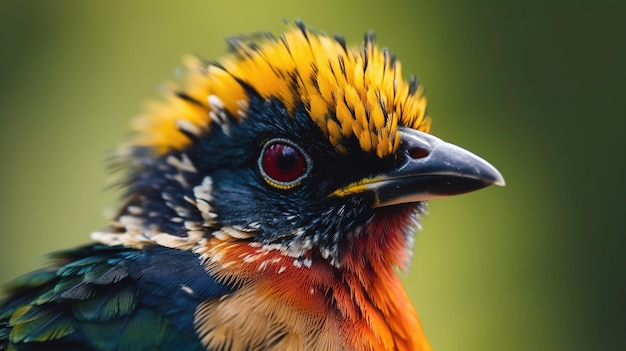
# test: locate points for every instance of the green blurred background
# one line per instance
(535, 87)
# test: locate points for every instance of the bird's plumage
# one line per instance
(269, 201)
(109, 298)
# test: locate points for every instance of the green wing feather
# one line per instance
(92, 301)
(117, 301)
(40, 323)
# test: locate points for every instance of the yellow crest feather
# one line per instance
(347, 91)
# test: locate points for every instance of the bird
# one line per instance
(271, 200)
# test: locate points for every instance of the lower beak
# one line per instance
(427, 168)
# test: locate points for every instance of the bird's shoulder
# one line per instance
(108, 298)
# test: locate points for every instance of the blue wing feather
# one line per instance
(108, 298)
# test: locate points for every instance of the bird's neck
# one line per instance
(377, 295)
(361, 305)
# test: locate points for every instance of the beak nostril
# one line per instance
(417, 152)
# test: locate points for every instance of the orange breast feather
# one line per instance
(286, 303)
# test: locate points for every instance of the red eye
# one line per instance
(283, 164)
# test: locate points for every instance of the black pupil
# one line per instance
(286, 161)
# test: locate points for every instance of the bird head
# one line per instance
(299, 144)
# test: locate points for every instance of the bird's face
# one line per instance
(278, 178)
(298, 154)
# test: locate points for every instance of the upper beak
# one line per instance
(427, 168)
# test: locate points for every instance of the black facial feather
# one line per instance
(240, 196)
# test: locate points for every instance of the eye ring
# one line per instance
(283, 164)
